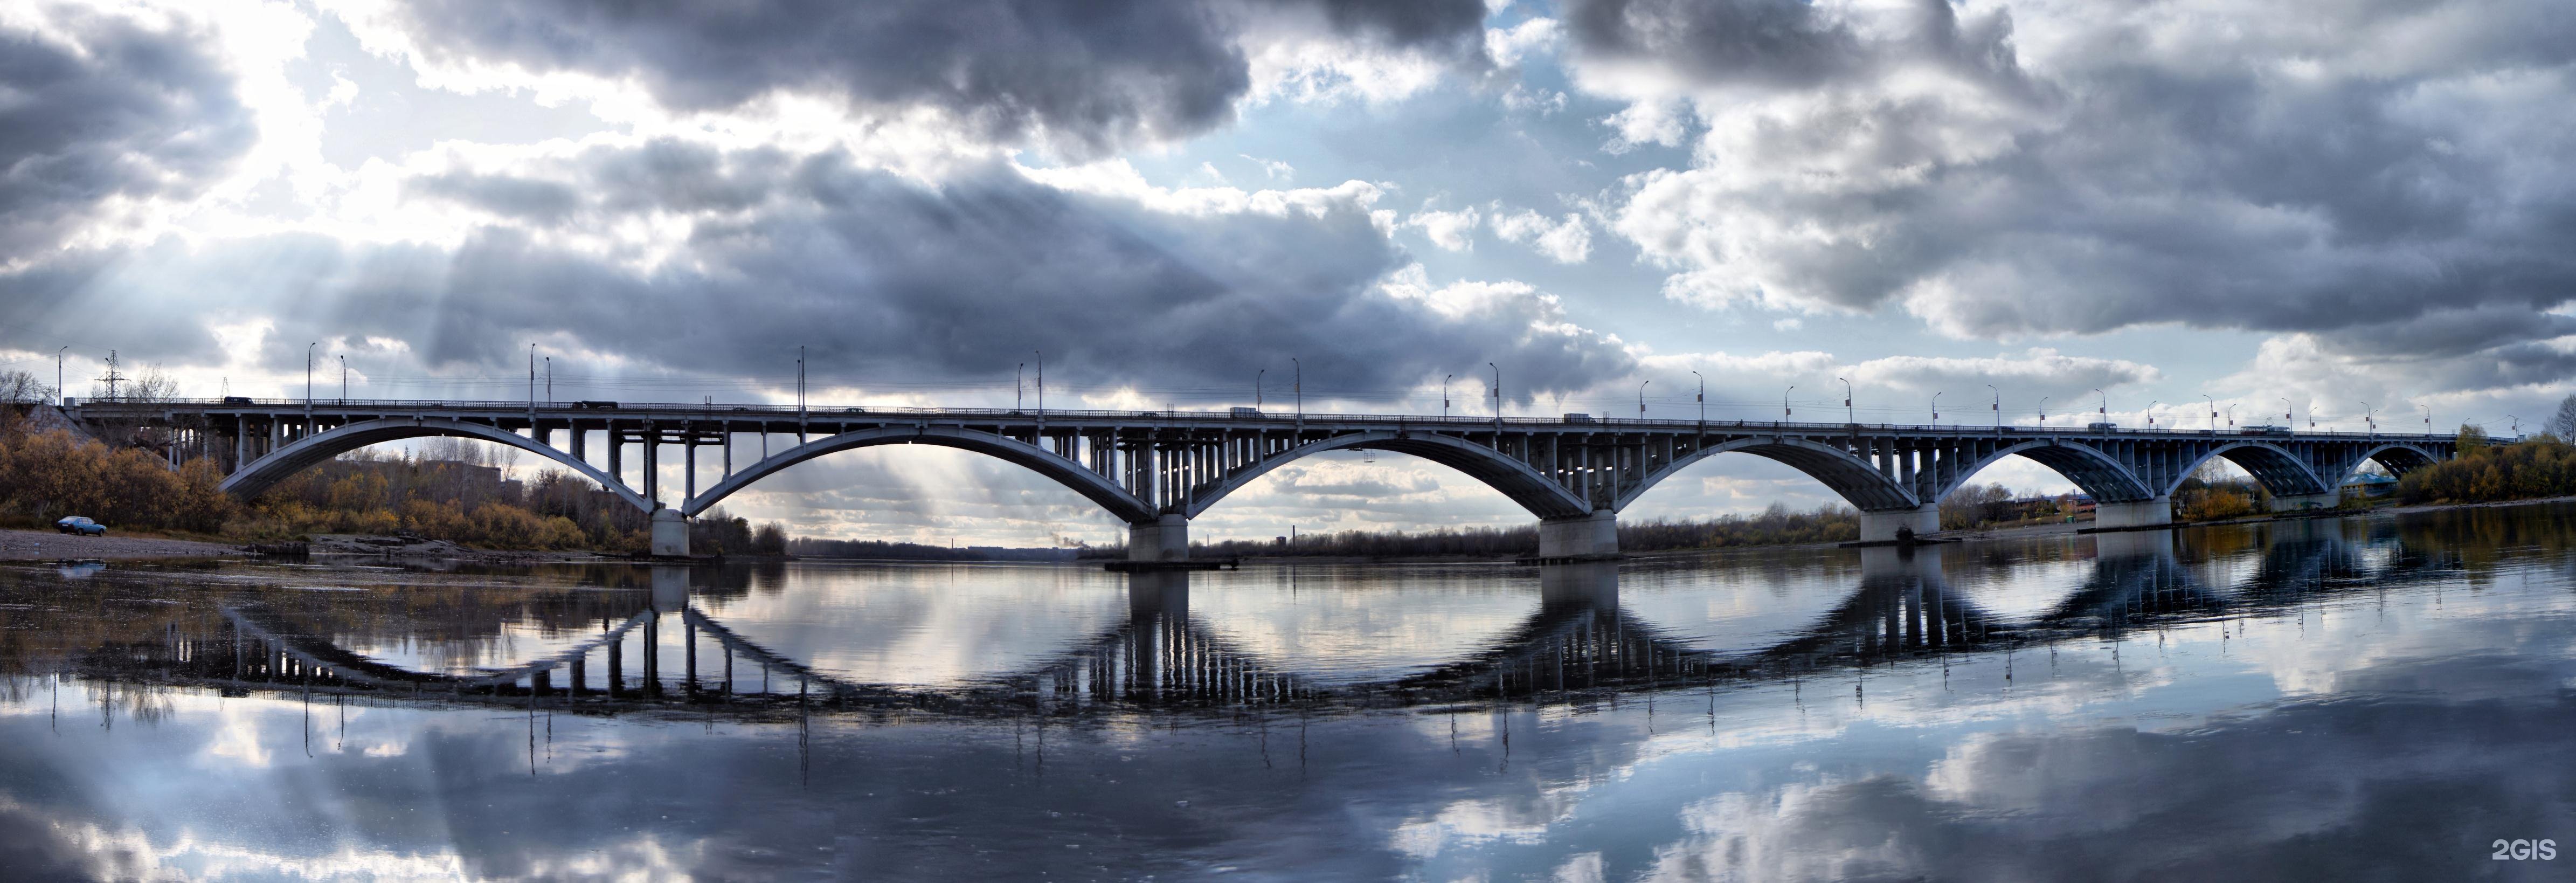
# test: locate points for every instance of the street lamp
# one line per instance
(1999, 407)
(1641, 399)
(2106, 406)
(2366, 419)
(1848, 415)
(1936, 409)
(58, 377)
(1015, 386)
(2151, 412)
(1784, 401)
(2213, 413)
(1702, 397)
(1041, 354)
(344, 379)
(2517, 425)
(2231, 415)
(1256, 388)
(1498, 395)
(1444, 394)
(2043, 412)
(2428, 420)
(1300, 385)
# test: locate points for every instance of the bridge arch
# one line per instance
(2398, 457)
(1858, 482)
(2279, 471)
(1091, 485)
(259, 475)
(1525, 485)
(2095, 473)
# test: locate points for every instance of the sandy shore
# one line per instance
(46, 545)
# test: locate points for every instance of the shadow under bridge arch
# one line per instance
(1523, 483)
(1093, 486)
(2092, 471)
(1855, 479)
(2281, 472)
(259, 475)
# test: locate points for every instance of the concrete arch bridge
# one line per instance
(1156, 470)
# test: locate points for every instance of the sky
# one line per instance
(2260, 209)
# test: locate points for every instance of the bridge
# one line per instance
(1156, 470)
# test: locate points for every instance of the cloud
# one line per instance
(104, 116)
(2354, 172)
(1084, 79)
(1568, 241)
(1451, 230)
(884, 279)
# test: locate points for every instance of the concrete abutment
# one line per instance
(670, 534)
(2143, 513)
(1881, 526)
(1583, 536)
(1163, 539)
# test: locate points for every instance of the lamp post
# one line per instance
(308, 386)
(1041, 354)
(1936, 409)
(59, 391)
(1444, 394)
(1999, 407)
(1849, 416)
(2231, 415)
(2367, 421)
(2105, 410)
(2151, 412)
(550, 380)
(2043, 412)
(2428, 420)
(1702, 397)
(1641, 399)
(1300, 384)
(2213, 413)
(2517, 425)
(1015, 386)
(1784, 402)
(1498, 398)
(1256, 388)
(344, 379)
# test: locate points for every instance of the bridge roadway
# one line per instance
(1158, 469)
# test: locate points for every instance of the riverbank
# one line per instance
(46, 545)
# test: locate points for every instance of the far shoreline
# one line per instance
(18, 545)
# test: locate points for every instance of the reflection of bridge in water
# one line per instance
(1578, 641)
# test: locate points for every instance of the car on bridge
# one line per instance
(2264, 430)
(80, 526)
(594, 405)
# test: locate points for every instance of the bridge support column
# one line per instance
(1583, 536)
(2138, 514)
(2306, 501)
(670, 533)
(1881, 527)
(1163, 539)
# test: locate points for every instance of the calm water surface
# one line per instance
(2368, 699)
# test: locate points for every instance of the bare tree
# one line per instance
(22, 388)
(2563, 423)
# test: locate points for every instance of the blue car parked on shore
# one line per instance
(74, 524)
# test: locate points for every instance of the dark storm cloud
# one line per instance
(1086, 76)
(2344, 170)
(884, 279)
(105, 109)
(1779, 43)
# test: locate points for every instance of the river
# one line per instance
(2368, 698)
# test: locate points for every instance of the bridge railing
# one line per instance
(560, 409)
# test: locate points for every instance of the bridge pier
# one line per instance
(1583, 536)
(1881, 527)
(1592, 584)
(1166, 538)
(2327, 500)
(670, 533)
(2142, 513)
